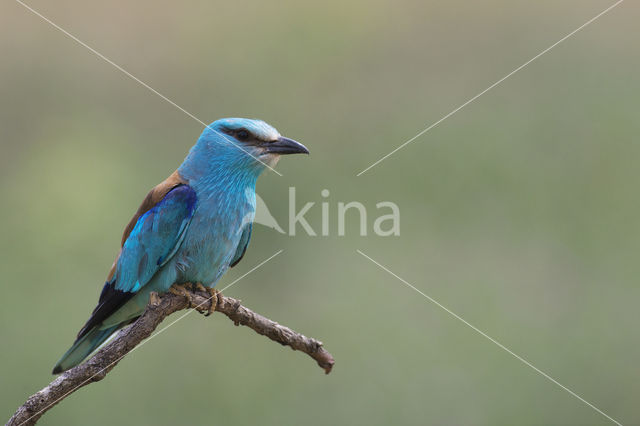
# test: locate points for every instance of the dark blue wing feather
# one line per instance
(155, 238)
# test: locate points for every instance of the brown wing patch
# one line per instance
(153, 197)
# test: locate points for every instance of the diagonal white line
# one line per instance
(491, 87)
(500, 345)
(152, 337)
(136, 79)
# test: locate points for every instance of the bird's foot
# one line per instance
(214, 300)
(154, 299)
(186, 291)
(181, 290)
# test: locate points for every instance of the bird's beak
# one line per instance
(284, 146)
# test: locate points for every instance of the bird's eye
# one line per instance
(242, 134)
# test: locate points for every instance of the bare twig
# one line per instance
(159, 307)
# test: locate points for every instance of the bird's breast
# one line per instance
(212, 239)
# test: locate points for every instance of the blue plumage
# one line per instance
(190, 228)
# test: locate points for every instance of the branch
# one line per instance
(160, 307)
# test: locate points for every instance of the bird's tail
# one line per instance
(83, 347)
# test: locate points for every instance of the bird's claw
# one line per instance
(180, 290)
(214, 300)
(154, 299)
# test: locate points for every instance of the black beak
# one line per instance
(286, 146)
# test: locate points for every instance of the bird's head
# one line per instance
(243, 144)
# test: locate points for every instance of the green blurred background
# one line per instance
(520, 213)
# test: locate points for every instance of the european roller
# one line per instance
(192, 227)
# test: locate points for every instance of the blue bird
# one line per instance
(192, 227)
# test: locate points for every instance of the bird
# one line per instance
(191, 228)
